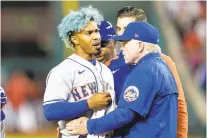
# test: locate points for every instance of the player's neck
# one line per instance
(79, 51)
(144, 53)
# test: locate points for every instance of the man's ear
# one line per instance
(74, 40)
(141, 47)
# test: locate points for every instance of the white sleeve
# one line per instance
(57, 88)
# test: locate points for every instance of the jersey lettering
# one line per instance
(76, 94)
(92, 86)
(84, 91)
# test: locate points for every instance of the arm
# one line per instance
(119, 117)
(62, 110)
(129, 106)
(65, 110)
(182, 129)
(56, 94)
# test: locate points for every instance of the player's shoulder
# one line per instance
(141, 70)
(115, 60)
(104, 67)
(154, 66)
(116, 63)
(62, 69)
(148, 66)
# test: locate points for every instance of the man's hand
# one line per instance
(77, 126)
(99, 100)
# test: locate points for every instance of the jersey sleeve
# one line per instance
(138, 92)
(57, 88)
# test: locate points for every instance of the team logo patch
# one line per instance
(131, 94)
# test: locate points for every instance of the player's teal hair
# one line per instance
(77, 20)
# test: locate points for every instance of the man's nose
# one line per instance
(97, 36)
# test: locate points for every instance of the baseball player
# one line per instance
(106, 52)
(148, 103)
(3, 102)
(80, 85)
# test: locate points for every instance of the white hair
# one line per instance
(152, 48)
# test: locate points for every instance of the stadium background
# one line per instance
(30, 47)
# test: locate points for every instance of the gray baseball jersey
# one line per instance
(76, 79)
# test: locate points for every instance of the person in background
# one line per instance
(107, 51)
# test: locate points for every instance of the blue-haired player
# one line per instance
(80, 85)
(3, 102)
(106, 52)
(148, 103)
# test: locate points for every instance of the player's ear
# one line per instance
(74, 40)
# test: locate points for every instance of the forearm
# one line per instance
(65, 110)
(119, 117)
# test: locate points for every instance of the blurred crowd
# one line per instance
(26, 40)
(23, 110)
(189, 18)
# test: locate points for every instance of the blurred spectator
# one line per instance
(192, 47)
(189, 18)
(21, 115)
